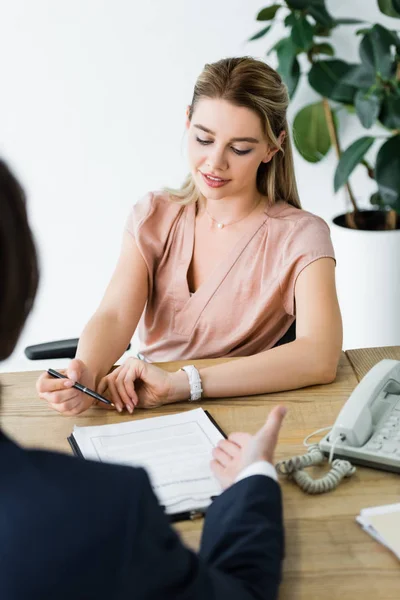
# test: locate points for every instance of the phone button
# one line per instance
(375, 445)
(385, 433)
(390, 447)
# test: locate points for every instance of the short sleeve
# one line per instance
(308, 240)
(138, 214)
(150, 222)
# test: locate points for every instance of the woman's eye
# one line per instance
(235, 150)
(241, 152)
(204, 142)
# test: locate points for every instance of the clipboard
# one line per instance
(189, 515)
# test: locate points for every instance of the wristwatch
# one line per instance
(194, 381)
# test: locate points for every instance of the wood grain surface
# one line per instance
(328, 556)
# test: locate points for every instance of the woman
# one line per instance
(83, 529)
(221, 267)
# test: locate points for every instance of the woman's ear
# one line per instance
(272, 151)
(187, 123)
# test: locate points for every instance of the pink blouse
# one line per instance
(246, 304)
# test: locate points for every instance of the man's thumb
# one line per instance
(271, 427)
(75, 369)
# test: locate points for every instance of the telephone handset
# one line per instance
(367, 430)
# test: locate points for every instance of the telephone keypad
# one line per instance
(390, 447)
(387, 439)
(374, 445)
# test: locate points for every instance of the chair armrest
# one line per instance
(56, 349)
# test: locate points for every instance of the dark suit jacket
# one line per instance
(72, 529)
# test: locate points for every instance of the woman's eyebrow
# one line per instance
(237, 139)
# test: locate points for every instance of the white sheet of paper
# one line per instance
(175, 450)
(383, 524)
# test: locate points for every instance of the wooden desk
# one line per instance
(328, 556)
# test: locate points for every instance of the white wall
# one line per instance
(92, 102)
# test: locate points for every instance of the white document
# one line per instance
(383, 524)
(175, 450)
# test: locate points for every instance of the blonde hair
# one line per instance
(252, 84)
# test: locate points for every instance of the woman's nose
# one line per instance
(217, 160)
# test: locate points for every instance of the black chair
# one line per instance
(56, 349)
(287, 337)
(67, 348)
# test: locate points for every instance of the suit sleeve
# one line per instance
(241, 548)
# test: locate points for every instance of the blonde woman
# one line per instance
(222, 267)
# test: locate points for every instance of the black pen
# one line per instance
(81, 387)
(190, 515)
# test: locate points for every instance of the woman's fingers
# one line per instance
(129, 379)
(46, 383)
(108, 384)
(102, 385)
(69, 408)
(120, 386)
(114, 394)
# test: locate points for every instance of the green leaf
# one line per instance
(387, 172)
(350, 159)
(376, 200)
(304, 4)
(390, 112)
(366, 52)
(363, 31)
(323, 49)
(286, 53)
(290, 20)
(299, 4)
(260, 34)
(367, 105)
(302, 33)
(321, 31)
(375, 51)
(396, 6)
(388, 8)
(325, 77)
(322, 16)
(360, 76)
(288, 65)
(348, 21)
(292, 78)
(266, 14)
(277, 45)
(310, 132)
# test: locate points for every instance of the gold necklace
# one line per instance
(222, 225)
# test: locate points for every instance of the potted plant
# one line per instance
(367, 241)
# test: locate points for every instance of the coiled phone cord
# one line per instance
(293, 469)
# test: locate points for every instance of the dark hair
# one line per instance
(19, 273)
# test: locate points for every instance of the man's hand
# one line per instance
(240, 450)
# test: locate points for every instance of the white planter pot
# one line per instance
(368, 284)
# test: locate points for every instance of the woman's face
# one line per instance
(226, 146)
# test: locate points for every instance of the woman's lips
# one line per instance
(214, 182)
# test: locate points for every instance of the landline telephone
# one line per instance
(366, 432)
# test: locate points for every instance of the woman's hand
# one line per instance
(137, 383)
(61, 396)
(240, 450)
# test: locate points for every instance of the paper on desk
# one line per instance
(383, 524)
(175, 450)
